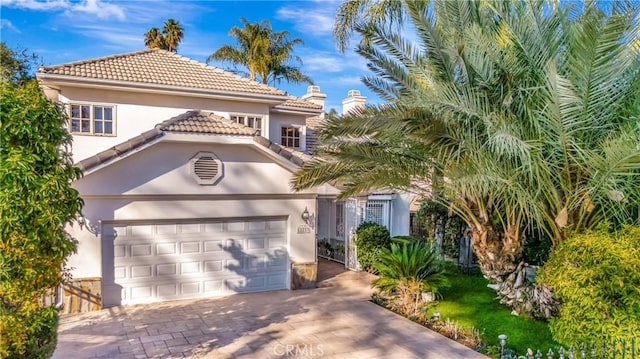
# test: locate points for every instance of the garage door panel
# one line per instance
(212, 246)
(152, 262)
(141, 250)
(168, 248)
(214, 286)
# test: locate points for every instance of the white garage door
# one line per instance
(166, 261)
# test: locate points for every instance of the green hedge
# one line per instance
(597, 277)
(371, 239)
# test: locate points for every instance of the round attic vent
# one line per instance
(206, 167)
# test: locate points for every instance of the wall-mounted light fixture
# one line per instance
(305, 216)
(86, 224)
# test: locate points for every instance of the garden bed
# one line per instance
(471, 315)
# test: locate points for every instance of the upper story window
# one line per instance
(96, 120)
(248, 120)
(290, 137)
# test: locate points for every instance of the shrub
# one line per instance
(407, 270)
(36, 202)
(37, 339)
(371, 239)
(596, 275)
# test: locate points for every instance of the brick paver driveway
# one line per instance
(334, 321)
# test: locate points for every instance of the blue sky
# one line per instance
(62, 31)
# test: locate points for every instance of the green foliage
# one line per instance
(371, 239)
(36, 202)
(167, 39)
(513, 114)
(266, 55)
(537, 247)
(434, 216)
(403, 239)
(16, 65)
(409, 269)
(33, 329)
(471, 303)
(596, 274)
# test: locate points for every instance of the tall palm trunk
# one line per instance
(500, 258)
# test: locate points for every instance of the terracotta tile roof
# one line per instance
(204, 122)
(294, 156)
(315, 122)
(295, 102)
(160, 67)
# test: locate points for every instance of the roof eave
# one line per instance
(49, 79)
(296, 110)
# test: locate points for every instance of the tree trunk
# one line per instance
(500, 260)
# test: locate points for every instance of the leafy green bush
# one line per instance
(36, 202)
(597, 276)
(37, 339)
(371, 239)
(408, 270)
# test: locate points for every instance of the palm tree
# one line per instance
(516, 115)
(153, 38)
(167, 39)
(265, 54)
(173, 34)
(361, 13)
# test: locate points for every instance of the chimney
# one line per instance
(314, 95)
(352, 101)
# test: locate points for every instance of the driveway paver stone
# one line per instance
(336, 320)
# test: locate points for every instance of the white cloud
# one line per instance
(124, 37)
(323, 63)
(38, 5)
(103, 10)
(6, 24)
(315, 21)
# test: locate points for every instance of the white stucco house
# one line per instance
(186, 180)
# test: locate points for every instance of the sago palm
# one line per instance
(408, 270)
(513, 114)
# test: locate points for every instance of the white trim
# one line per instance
(208, 138)
(382, 197)
(297, 111)
(273, 99)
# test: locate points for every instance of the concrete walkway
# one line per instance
(335, 320)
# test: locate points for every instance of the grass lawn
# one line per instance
(471, 303)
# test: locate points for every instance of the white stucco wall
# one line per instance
(156, 184)
(137, 112)
(400, 219)
(279, 120)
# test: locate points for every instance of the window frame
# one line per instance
(246, 120)
(91, 119)
(284, 138)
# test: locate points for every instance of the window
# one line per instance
(378, 211)
(249, 121)
(92, 119)
(290, 137)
